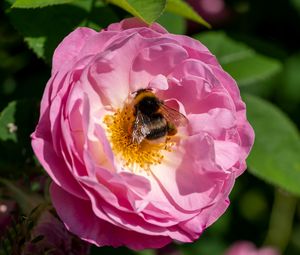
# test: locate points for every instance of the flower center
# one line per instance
(134, 156)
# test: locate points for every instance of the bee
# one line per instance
(153, 119)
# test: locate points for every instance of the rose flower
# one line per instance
(142, 133)
(248, 248)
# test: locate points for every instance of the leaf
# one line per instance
(275, 154)
(252, 69)
(245, 65)
(8, 128)
(148, 11)
(146, 252)
(38, 3)
(57, 22)
(37, 44)
(17, 121)
(185, 10)
(296, 4)
(173, 23)
(291, 78)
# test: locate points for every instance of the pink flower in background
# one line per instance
(216, 12)
(7, 207)
(248, 248)
(54, 239)
(110, 189)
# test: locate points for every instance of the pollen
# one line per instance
(134, 157)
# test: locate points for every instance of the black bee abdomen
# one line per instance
(158, 127)
(148, 105)
(157, 133)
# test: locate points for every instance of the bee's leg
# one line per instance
(171, 129)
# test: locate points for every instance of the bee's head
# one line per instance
(139, 91)
(146, 102)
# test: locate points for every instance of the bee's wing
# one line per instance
(173, 116)
(140, 128)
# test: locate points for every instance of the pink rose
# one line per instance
(110, 190)
(248, 248)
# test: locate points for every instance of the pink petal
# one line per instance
(215, 122)
(68, 49)
(95, 230)
(55, 166)
(227, 154)
(134, 23)
(154, 60)
(181, 181)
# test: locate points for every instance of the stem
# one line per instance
(281, 220)
(27, 201)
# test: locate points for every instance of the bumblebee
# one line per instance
(153, 119)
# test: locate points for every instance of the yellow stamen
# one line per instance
(134, 156)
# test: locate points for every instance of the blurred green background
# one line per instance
(257, 42)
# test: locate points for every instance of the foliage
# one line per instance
(37, 3)
(281, 139)
(245, 65)
(183, 9)
(147, 11)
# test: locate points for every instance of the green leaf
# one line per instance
(38, 3)
(245, 65)
(57, 22)
(275, 154)
(146, 252)
(148, 11)
(37, 44)
(17, 122)
(252, 69)
(291, 78)
(296, 4)
(8, 128)
(173, 23)
(185, 10)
